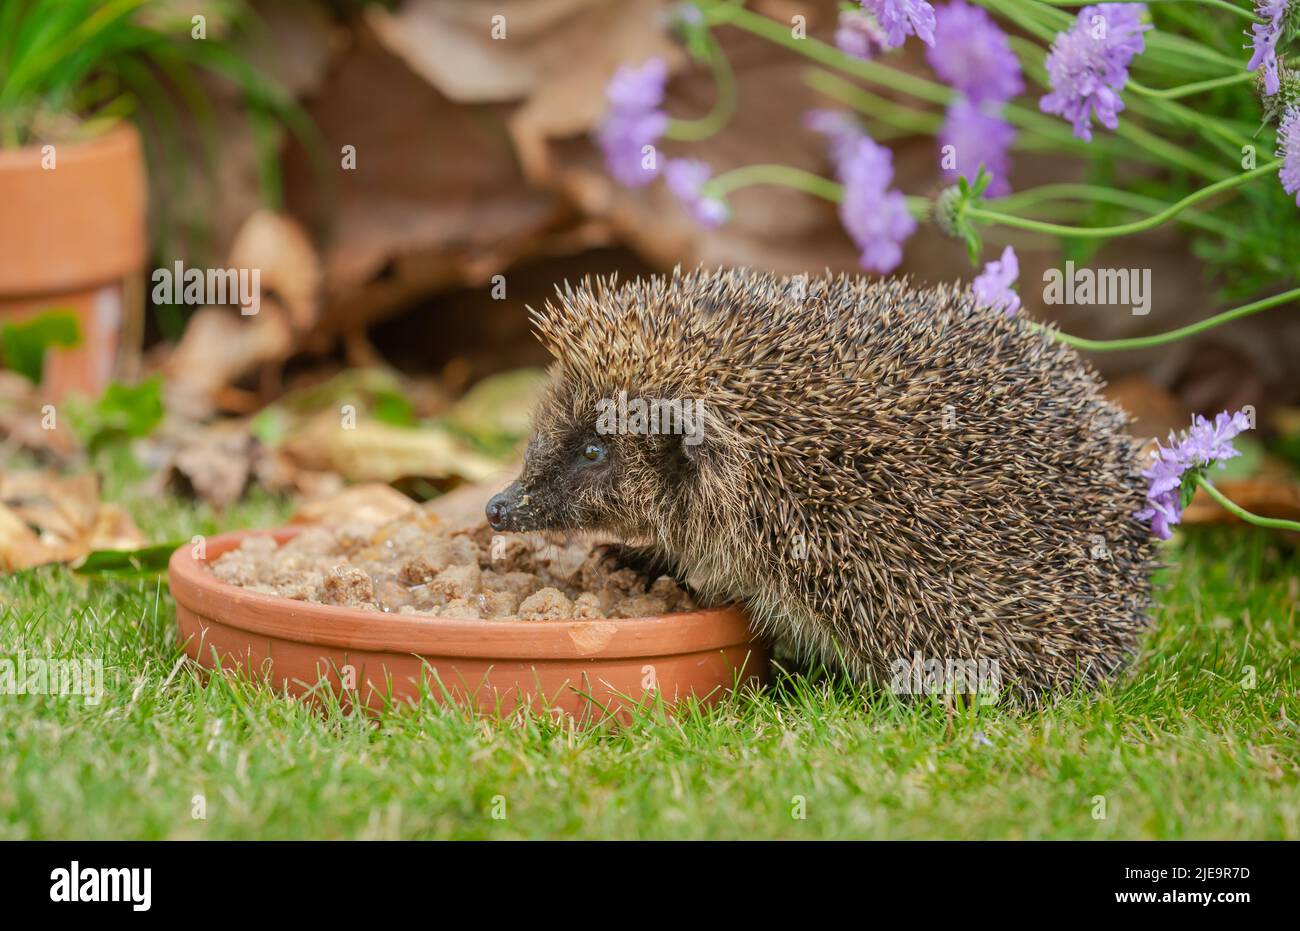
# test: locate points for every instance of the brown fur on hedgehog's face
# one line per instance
(578, 475)
(664, 487)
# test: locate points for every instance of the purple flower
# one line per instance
(1264, 43)
(685, 177)
(875, 217)
(902, 18)
(973, 55)
(841, 130)
(1288, 135)
(1164, 508)
(978, 136)
(992, 287)
(623, 138)
(858, 34)
(638, 89)
(634, 121)
(1192, 452)
(1088, 65)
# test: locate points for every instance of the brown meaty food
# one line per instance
(413, 565)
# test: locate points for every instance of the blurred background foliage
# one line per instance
(408, 183)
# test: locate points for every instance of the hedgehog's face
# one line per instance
(584, 470)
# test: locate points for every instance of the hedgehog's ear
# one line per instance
(693, 447)
(694, 437)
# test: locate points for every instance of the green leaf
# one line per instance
(146, 561)
(974, 245)
(1190, 482)
(124, 412)
(24, 344)
(497, 412)
(270, 426)
(392, 408)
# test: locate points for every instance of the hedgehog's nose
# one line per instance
(499, 509)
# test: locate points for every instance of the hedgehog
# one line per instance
(882, 474)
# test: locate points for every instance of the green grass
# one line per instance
(1178, 749)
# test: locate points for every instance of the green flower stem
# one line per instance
(873, 105)
(1159, 339)
(781, 175)
(1058, 133)
(919, 207)
(1122, 229)
(1034, 18)
(1017, 203)
(1174, 153)
(1165, 47)
(1187, 116)
(1220, 4)
(795, 178)
(1196, 87)
(725, 82)
(1273, 523)
(1214, 131)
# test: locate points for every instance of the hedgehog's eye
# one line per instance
(594, 452)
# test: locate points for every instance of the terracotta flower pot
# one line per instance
(585, 668)
(74, 237)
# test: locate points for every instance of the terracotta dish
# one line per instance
(587, 668)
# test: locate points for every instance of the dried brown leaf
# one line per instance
(218, 348)
(47, 518)
(28, 423)
(371, 503)
(215, 466)
(289, 267)
(376, 452)
(436, 198)
(20, 547)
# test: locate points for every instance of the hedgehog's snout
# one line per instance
(507, 509)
